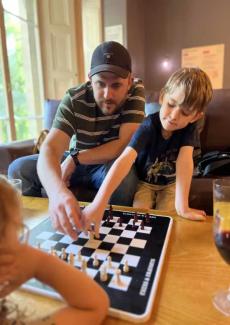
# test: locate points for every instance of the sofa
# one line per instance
(214, 136)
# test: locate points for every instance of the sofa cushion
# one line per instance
(151, 108)
(215, 135)
(50, 109)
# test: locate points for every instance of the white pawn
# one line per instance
(53, 252)
(126, 267)
(95, 261)
(103, 274)
(63, 254)
(71, 259)
(79, 256)
(109, 262)
(118, 273)
(91, 235)
(83, 265)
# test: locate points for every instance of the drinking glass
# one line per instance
(16, 183)
(221, 231)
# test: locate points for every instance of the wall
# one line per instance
(171, 25)
(115, 14)
(158, 29)
(136, 36)
(129, 14)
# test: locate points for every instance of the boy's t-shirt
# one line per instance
(156, 160)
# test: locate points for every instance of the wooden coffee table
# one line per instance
(193, 271)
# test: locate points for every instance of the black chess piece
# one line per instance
(147, 218)
(111, 212)
(133, 224)
(142, 225)
(120, 222)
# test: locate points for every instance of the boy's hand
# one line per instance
(91, 214)
(193, 214)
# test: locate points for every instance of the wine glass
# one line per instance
(221, 229)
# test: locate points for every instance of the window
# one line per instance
(91, 16)
(21, 95)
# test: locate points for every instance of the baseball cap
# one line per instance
(111, 57)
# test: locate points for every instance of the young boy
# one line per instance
(86, 302)
(162, 149)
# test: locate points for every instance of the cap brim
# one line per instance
(109, 68)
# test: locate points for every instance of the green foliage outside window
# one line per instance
(17, 75)
(22, 93)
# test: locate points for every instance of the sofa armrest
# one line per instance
(13, 150)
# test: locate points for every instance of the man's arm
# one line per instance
(184, 172)
(63, 206)
(49, 159)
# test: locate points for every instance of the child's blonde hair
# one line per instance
(9, 197)
(197, 87)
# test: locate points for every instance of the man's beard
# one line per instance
(115, 107)
(108, 110)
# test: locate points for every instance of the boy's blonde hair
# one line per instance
(9, 197)
(197, 87)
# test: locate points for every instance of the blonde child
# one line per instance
(86, 302)
(162, 149)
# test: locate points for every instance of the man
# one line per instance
(102, 114)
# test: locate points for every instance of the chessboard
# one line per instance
(126, 259)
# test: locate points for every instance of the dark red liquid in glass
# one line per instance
(222, 240)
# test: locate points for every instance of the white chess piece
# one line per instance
(63, 254)
(109, 262)
(126, 267)
(91, 235)
(95, 261)
(71, 259)
(103, 274)
(83, 265)
(79, 256)
(53, 252)
(118, 273)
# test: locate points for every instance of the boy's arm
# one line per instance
(120, 168)
(184, 172)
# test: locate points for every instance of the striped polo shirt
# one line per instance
(79, 116)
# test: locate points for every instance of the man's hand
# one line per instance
(67, 169)
(65, 213)
(193, 214)
(17, 265)
(92, 215)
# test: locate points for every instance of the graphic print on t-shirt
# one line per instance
(161, 171)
